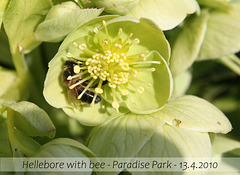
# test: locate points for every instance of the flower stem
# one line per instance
(19, 63)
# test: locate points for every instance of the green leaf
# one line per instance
(123, 136)
(172, 141)
(32, 120)
(21, 19)
(167, 14)
(218, 4)
(193, 113)
(223, 33)
(3, 6)
(187, 44)
(63, 19)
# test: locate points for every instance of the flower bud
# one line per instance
(120, 7)
(61, 9)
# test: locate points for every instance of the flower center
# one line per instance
(110, 64)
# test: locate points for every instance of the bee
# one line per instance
(88, 96)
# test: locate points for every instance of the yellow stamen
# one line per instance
(135, 41)
(86, 88)
(77, 75)
(98, 88)
(144, 62)
(125, 41)
(139, 89)
(115, 103)
(80, 82)
(76, 69)
(106, 31)
(88, 52)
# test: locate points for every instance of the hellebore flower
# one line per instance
(180, 130)
(108, 66)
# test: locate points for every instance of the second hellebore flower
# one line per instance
(108, 66)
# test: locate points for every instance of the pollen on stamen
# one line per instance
(76, 69)
(69, 55)
(124, 92)
(82, 46)
(152, 69)
(75, 44)
(140, 89)
(95, 30)
(149, 84)
(136, 41)
(98, 90)
(115, 105)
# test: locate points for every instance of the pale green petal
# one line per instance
(181, 83)
(55, 28)
(31, 119)
(129, 25)
(3, 6)
(54, 92)
(123, 136)
(21, 19)
(222, 144)
(98, 114)
(84, 29)
(187, 44)
(167, 14)
(65, 148)
(223, 33)
(68, 143)
(219, 4)
(193, 113)
(171, 141)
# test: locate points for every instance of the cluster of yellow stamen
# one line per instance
(111, 64)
